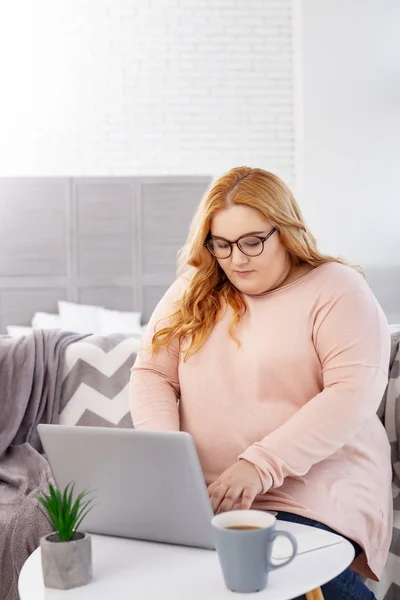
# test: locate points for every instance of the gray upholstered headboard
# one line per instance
(385, 283)
(106, 241)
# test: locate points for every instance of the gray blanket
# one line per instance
(30, 384)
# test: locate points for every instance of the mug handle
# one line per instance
(292, 540)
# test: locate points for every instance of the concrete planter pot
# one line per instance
(66, 565)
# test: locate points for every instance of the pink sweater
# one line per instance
(298, 399)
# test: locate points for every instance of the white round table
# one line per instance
(125, 568)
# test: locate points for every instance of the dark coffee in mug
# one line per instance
(243, 527)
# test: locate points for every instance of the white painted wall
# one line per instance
(132, 87)
(351, 103)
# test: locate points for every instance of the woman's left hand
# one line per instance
(238, 485)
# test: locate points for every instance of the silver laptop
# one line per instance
(146, 484)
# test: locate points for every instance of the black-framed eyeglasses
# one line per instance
(250, 245)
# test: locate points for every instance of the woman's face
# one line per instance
(250, 274)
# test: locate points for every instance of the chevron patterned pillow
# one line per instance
(95, 388)
(389, 586)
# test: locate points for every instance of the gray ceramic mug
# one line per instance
(243, 540)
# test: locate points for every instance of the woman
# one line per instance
(274, 358)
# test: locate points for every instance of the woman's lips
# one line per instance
(243, 273)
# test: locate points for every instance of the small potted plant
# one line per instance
(66, 553)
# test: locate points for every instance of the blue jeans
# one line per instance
(346, 586)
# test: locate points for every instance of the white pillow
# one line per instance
(116, 321)
(17, 330)
(80, 318)
(43, 320)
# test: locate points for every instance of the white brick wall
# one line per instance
(146, 86)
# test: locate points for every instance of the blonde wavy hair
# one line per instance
(208, 290)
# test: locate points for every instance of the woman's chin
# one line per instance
(251, 288)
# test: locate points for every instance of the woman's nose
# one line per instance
(237, 256)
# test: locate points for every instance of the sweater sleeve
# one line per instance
(154, 382)
(351, 338)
